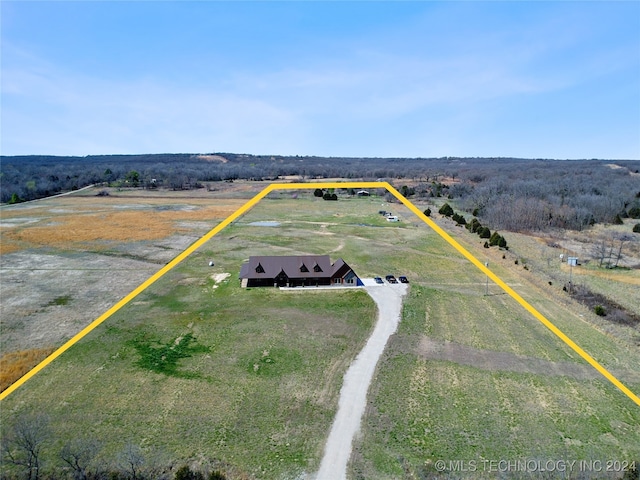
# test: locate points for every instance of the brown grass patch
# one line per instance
(8, 247)
(633, 280)
(120, 226)
(15, 365)
(124, 226)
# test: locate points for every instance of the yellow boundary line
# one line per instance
(297, 186)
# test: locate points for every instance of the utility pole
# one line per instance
(571, 261)
(486, 291)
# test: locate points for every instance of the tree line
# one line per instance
(28, 452)
(507, 193)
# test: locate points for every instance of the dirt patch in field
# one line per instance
(46, 298)
(212, 158)
(220, 277)
(504, 361)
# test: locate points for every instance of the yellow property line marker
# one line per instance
(298, 186)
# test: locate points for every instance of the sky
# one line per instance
(541, 79)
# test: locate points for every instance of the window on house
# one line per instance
(259, 269)
(304, 268)
(336, 280)
(317, 268)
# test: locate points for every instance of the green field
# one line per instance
(194, 370)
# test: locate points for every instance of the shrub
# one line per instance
(634, 212)
(636, 228)
(185, 473)
(474, 225)
(330, 196)
(446, 210)
(486, 244)
(427, 212)
(484, 232)
(494, 239)
(318, 192)
(617, 220)
(459, 219)
(502, 243)
(407, 191)
(600, 311)
(15, 198)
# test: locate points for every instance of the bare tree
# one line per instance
(622, 239)
(599, 250)
(23, 445)
(79, 454)
(608, 251)
(132, 460)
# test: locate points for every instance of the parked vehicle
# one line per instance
(391, 279)
(403, 279)
(378, 280)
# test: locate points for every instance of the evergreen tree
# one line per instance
(446, 210)
(484, 232)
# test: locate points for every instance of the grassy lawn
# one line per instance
(453, 411)
(198, 368)
(194, 369)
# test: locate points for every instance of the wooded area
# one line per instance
(508, 193)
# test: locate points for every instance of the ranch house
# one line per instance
(296, 271)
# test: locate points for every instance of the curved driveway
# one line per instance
(353, 395)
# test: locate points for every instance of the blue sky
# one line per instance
(410, 79)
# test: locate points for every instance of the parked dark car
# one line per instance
(403, 279)
(391, 279)
(378, 280)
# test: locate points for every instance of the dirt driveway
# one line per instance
(353, 395)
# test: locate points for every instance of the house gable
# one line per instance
(302, 270)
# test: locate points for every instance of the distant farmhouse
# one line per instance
(297, 271)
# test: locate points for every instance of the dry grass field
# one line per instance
(91, 250)
(84, 223)
(14, 365)
(467, 376)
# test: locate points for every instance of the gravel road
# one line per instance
(353, 395)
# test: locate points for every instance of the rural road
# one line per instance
(57, 195)
(353, 395)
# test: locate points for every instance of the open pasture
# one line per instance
(468, 375)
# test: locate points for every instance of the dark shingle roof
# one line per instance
(292, 266)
